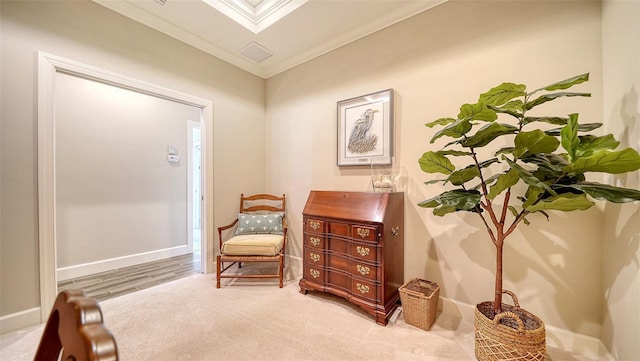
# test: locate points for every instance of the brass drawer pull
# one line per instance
(315, 225)
(363, 232)
(363, 251)
(364, 270)
(314, 257)
(314, 241)
(314, 273)
(362, 288)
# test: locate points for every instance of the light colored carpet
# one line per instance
(189, 319)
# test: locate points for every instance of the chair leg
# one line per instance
(218, 265)
(281, 270)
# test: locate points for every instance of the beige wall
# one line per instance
(621, 244)
(435, 62)
(88, 33)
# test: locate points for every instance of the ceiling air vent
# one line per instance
(256, 52)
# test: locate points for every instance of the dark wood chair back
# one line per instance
(262, 202)
(75, 327)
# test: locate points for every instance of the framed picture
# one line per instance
(365, 129)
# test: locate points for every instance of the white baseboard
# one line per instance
(19, 320)
(556, 337)
(589, 346)
(65, 273)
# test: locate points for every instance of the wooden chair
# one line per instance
(260, 236)
(76, 328)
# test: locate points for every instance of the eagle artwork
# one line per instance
(361, 140)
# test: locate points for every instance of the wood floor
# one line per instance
(105, 285)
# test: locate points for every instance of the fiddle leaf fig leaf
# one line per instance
(488, 133)
(502, 93)
(568, 83)
(443, 210)
(553, 96)
(623, 161)
(462, 176)
(581, 128)
(549, 120)
(532, 195)
(454, 130)
(441, 121)
(432, 162)
(434, 181)
(452, 201)
(468, 173)
(569, 136)
(455, 153)
(513, 210)
(429, 203)
(562, 202)
(513, 107)
(590, 144)
(527, 177)
(534, 142)
(505, 150)
(477, 111)
(605, 192)
(545, 214)
(550, 165)
(461, 199)
(488, 181)
(505, 181)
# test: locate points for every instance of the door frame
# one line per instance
(48, 66)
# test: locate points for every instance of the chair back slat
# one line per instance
(262, 203)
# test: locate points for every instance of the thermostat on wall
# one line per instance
(173, 158)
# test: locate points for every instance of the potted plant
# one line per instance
(530, 164)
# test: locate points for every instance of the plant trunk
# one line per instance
(497, 301)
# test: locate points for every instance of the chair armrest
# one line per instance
(224, 228)
(284, 234)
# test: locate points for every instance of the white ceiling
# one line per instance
(266, 37)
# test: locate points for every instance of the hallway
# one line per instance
(118, 282)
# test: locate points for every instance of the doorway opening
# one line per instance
(195, 190)
(50, 68)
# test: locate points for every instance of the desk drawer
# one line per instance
(314, 258)
(314, 274)
(314, 241)
(363, 289)
(315, 225)
(363, 251)
(364, 233)
(364, 270)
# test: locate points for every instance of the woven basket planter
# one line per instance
(514, 334)
(419, 302)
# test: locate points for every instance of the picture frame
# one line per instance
(365, 130)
